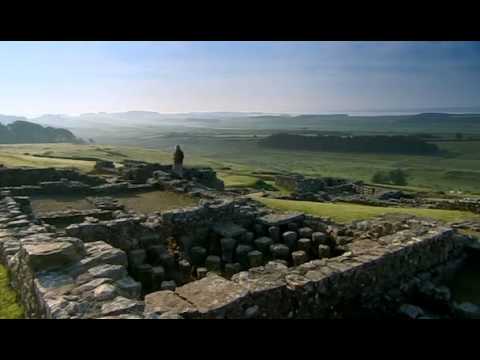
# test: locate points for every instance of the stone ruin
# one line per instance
(134, 176)
(328, 189)
(220, 259)
(227, 257)
(317, 188)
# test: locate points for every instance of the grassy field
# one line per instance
(141, 202)
(240, 161)
(456, 171)
(344, 213)
(9, 308)
(155, 201)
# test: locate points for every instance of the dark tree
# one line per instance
(459, 136)
(381, 177)
(398, 177)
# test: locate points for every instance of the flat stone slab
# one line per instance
(48, 255)
(121, 305)
(229, 230)
(281, 219)
(166, 301)
(212, 293)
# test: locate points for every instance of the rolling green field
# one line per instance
(240, 161)
(344, 213)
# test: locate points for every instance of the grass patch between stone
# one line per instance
(9, 307)
(344, 213)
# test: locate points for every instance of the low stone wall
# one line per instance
(471, 205)
(34, 176)
(67, 187)
(131, 232)
(73, 216)
(302, 185)
(140, 172)
(61, 277)
(75, 276)
(316, 289)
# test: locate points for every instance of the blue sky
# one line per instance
(298, 77)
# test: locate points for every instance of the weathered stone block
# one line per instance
(299, 257)
(158, 275)
(229, 230)
(213, 263)
(99, 253)
(114, 272)
(154, 254)
(247, 238)
(241, 254)
(121, 305)
(144, 274)
(274, 232)
(281, 219)
(467, 311)
(323, 251)
(290, 239)
(167, 260)
(228, 248)
(202, 272)
(305, 245)
(48, 255)
(305, 232)
(137, 257)
(168, 285)
(104, 292)
(259, 230)
(410, 311)
(319, 238)
(255, 258)
(166, 301)
(263, 244)
(232, 268)
(198, 255)
(280, 251)
(292, 226)
(129, 288)
(17, 223)
(185, 269)
(215, 297)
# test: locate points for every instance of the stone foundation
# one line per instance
(316, 289)
(349, 267)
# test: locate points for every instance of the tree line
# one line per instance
(398, 144)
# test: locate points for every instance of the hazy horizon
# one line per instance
(270, 77)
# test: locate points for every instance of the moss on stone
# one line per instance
(9, 307)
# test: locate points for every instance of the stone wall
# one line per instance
(67, 217)
(472, 205)
(34, 176)
(317, 289)
(76, 276)
(68, 187)
(61, 277)
(300, 184)
(140, 172)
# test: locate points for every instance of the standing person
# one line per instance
(178, 161)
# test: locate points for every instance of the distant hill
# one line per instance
(131, 126)
(25, 132)
(441, 118)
